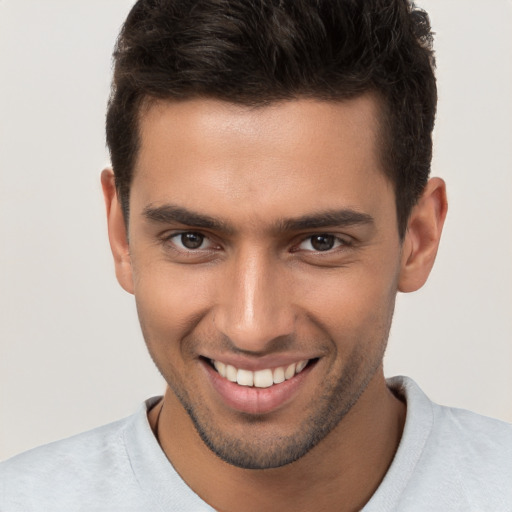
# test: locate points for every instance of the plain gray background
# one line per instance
(71, 353)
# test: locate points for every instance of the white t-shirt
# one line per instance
(448, 460)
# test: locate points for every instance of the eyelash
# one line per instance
(339, 242)
(170, 238)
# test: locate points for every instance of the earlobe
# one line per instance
(117, 233)
(422, 238)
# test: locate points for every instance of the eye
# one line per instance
(190, 241)
(321, 243)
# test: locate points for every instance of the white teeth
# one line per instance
(263, 379)
(300, 366)
(279, 375)
(220, 367)
(260, 378)
(231, 373)
(245, 378)
(289, 372)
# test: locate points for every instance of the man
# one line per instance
(269, 197)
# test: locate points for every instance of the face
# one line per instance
(264, 258)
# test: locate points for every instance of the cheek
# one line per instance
(354, 304)
(170, 302)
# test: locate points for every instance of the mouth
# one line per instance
(264, 378)
(259, 391)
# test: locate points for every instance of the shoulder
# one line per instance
(477, 444)
(451, 426)
(54, 476)
(473, 431)
(456, 458)
(80, 447)
(60, 467)
(477, 450)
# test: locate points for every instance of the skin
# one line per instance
(257, 291)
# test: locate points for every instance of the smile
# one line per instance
(261, 378)
(258, 390)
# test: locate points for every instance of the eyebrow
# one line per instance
(169, 213)
(330, 218)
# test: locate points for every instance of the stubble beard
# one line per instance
(339, 394)
(338, 397)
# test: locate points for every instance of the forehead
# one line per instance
(215, 156)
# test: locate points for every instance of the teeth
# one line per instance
(300, 366)
(231, 373)
(220, 367)
(279, 375)
(261, 378)
(289, 372)
(245, 377)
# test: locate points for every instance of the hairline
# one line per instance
(146, 101)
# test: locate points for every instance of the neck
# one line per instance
(341, 473)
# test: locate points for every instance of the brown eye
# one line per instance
(322, 242)
(190, 241)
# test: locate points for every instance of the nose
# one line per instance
(255, 306)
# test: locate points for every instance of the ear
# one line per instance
(422, 237)
(117, 233)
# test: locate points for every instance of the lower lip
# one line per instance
(252, 400)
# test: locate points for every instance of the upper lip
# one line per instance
(259, 363)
